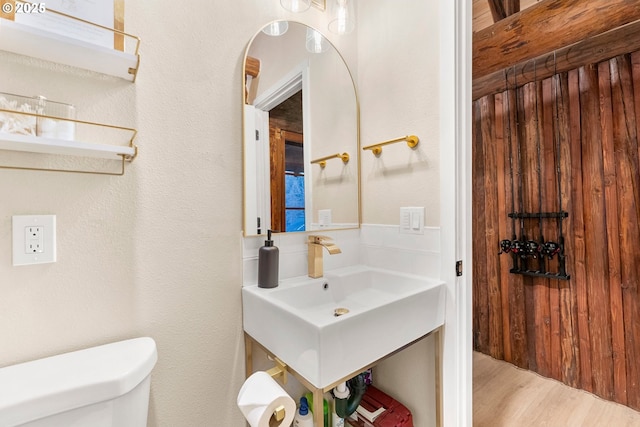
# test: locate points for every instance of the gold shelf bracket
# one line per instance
(376, 149)
(323, 160)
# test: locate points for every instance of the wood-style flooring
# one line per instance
(506, 396)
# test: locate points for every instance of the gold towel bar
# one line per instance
(323, 160)
(412, 141)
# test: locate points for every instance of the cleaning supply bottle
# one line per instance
(303, 417)
(325, 406)
(268, 261)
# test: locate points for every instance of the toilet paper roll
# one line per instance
(259, 397)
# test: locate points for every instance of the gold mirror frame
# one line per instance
(356, 150)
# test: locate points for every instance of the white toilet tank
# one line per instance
(104, 386)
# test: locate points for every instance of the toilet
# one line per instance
(104, 386)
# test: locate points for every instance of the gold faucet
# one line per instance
(316, 243)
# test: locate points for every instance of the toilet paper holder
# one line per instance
(280, 370)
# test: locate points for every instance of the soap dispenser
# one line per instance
(268, 259)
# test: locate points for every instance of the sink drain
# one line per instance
(340, 311)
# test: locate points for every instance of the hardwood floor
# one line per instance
(506, 396)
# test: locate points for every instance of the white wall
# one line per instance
(157, 251)
(398, 59)
(398, 75)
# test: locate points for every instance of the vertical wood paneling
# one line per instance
(579, 273)
(627, 163)
(502, 175)
(595, 233)
(567, 291)
(609, 77)
(481, 296)
(584, 331)
(489, 155)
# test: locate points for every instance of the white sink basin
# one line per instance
(386, 310)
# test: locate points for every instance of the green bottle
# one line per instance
(309, 397)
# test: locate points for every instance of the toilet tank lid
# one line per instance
(55, 384)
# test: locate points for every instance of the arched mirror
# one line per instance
(301, 133)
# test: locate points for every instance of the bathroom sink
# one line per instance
(330, 327)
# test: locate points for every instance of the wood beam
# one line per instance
(500, 9)
(497, 10)
(545, 27)
(625, 39)
(511, 7)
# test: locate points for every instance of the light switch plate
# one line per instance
(34, 239)
(412, 220)
(324, 217)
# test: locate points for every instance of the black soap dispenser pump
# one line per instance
(268, 259)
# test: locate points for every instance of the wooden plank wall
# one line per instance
(584, 331)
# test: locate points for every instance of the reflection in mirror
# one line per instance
(300, 105)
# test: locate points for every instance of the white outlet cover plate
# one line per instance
(48, 225)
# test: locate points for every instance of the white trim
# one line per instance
(282, 89)
(455, 188)
(294, 81)
(263, 171)
(306, 147)
(250, 210)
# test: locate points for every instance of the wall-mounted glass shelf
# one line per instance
(37, 144)
(36, 42)
(47, 135)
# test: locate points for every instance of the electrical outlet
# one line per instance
(34, 239)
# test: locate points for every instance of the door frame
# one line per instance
(455, 188)
(295, 80)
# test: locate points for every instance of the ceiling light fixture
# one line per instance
(344, 18)
(296, 6)
(316, 43)
(276, 28)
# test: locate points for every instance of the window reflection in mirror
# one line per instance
(299, 106)
(293, 183)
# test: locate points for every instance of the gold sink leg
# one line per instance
(437, 336)
(248, 355)
(318, 407)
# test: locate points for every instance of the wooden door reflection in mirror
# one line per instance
(287, 165)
